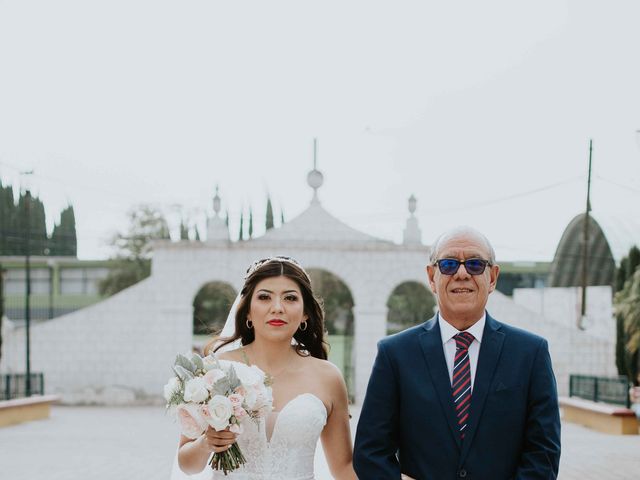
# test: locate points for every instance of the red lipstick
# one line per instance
(277, 323)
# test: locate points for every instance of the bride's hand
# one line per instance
(215, 441)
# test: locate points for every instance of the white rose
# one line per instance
(251, 398)
(172, 386)
(195, 390)
(220, 411)
(249, 375)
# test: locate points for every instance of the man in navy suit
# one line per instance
(462, 395)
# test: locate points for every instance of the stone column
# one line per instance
(370, 327)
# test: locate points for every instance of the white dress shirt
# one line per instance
(448, 331)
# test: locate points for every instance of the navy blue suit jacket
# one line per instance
(408, 423)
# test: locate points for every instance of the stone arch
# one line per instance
(339, 319)
(410, 303)
(211, 305)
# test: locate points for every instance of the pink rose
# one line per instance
(236, 399)
(192, 423)
(239, 412)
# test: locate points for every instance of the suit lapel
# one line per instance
(431, 343)
(490, 348)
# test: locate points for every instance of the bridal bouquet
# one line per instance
(210, 392)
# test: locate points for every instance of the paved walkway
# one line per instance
(138, 443)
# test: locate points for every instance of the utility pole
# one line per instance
(585, 247)
(27, 298)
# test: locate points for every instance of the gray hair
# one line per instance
(458, 232)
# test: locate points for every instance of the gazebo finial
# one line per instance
(315, 177)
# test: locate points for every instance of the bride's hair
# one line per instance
(309, 341)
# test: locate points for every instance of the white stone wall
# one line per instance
(548, 313)
(121, 350)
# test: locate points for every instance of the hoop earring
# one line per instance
(305, 326)
(249, 324)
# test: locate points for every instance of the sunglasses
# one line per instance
(473, 266)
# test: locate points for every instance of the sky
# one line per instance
(482, 110)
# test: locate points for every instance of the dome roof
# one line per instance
(610, 238)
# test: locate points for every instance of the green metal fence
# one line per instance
(14, 385)
(600, 389)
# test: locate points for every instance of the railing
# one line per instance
(14, 385)
(600, 389)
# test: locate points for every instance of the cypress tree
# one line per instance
(269, 219)
(63, 240)
(184, 231)
(241, 233)
(281, 217)
(197, 233)
(250, 223)
(8, 228)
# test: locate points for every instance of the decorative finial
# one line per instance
(412, 233)
(315, 178)
(216, 202)
(412, 204)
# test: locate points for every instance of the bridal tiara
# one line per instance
(277, 258)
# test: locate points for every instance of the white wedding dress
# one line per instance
(280, 448)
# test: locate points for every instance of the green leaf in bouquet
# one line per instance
(197, 361)
(185, 363)
(182, 373)
(234, 381)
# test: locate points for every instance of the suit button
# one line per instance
(462, 473)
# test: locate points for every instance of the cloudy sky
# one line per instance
(482, 110)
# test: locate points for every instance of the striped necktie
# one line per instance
(461, 382)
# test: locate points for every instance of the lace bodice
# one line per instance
(289, 452)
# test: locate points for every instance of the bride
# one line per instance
(279, 327)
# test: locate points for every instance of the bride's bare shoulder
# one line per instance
(325, 368)
(233, 355)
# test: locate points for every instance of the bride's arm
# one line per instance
(336, 435)
(193, 455)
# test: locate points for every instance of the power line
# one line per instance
(506, 198)
(618, 184)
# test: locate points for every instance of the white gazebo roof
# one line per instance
(317, 226)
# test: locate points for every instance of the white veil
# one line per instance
(229, 329)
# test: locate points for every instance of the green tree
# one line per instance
(409, 304)
(337, 301)
(8, 217)
(250, 222)
(31, 220)
(627, 302)
(63, 239)
(211, 306)
(132, 261)
(1, 305)
(184, 230)
(627, 329)
(241, 229)
(269, 215)
(281, 217)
